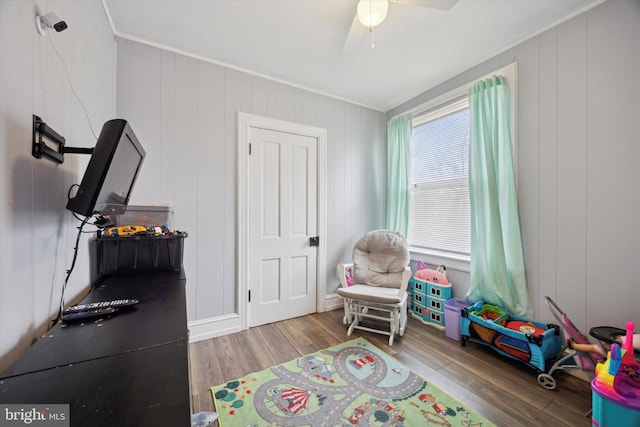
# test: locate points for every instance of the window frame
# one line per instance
(452, 260)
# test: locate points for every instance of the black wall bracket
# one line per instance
(39, 148)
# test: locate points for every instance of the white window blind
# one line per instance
(439, 212)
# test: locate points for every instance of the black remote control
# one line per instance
(101, 304)
(91, 312)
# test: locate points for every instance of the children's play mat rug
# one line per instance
(353, 383)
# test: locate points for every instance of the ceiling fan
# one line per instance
(371, 13)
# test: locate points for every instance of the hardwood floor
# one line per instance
(502, 390)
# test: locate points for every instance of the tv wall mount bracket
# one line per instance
(39, 149)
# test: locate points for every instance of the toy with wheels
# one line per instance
(534, 343)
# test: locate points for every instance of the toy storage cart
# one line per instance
(608, 411)
(427, 301)
(533, 343)
(616, 386)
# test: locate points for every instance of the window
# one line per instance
(439, 212)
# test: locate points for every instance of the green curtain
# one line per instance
(497, 260)
(398, 140)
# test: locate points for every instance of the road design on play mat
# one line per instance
(336, 398)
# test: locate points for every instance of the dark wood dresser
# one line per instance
(127, 369)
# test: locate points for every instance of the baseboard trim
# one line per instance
(204, 329)
(213, 327)
(333, 302)
(578, 373)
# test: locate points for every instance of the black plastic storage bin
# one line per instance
(131, 254)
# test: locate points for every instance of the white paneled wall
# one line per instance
(613, 151)
(37, 233)
(184, 111)
(578, 153)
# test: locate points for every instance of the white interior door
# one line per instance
(283, 205)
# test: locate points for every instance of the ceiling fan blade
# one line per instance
(434, 4)
(355, 36)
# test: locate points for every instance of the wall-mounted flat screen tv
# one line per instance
(112, 171)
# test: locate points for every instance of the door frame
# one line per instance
(246, 121)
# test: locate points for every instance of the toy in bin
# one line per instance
(616, 387)
(488, 313)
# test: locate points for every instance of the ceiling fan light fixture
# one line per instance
(372, 12)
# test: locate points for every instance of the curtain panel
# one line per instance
(497, 260)
(398, 142)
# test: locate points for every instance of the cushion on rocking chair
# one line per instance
(380, 258)
(374, 294)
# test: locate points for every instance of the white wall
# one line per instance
(578, 152)
(37, 233)
(184, 111)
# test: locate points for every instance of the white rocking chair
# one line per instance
(375, 285)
